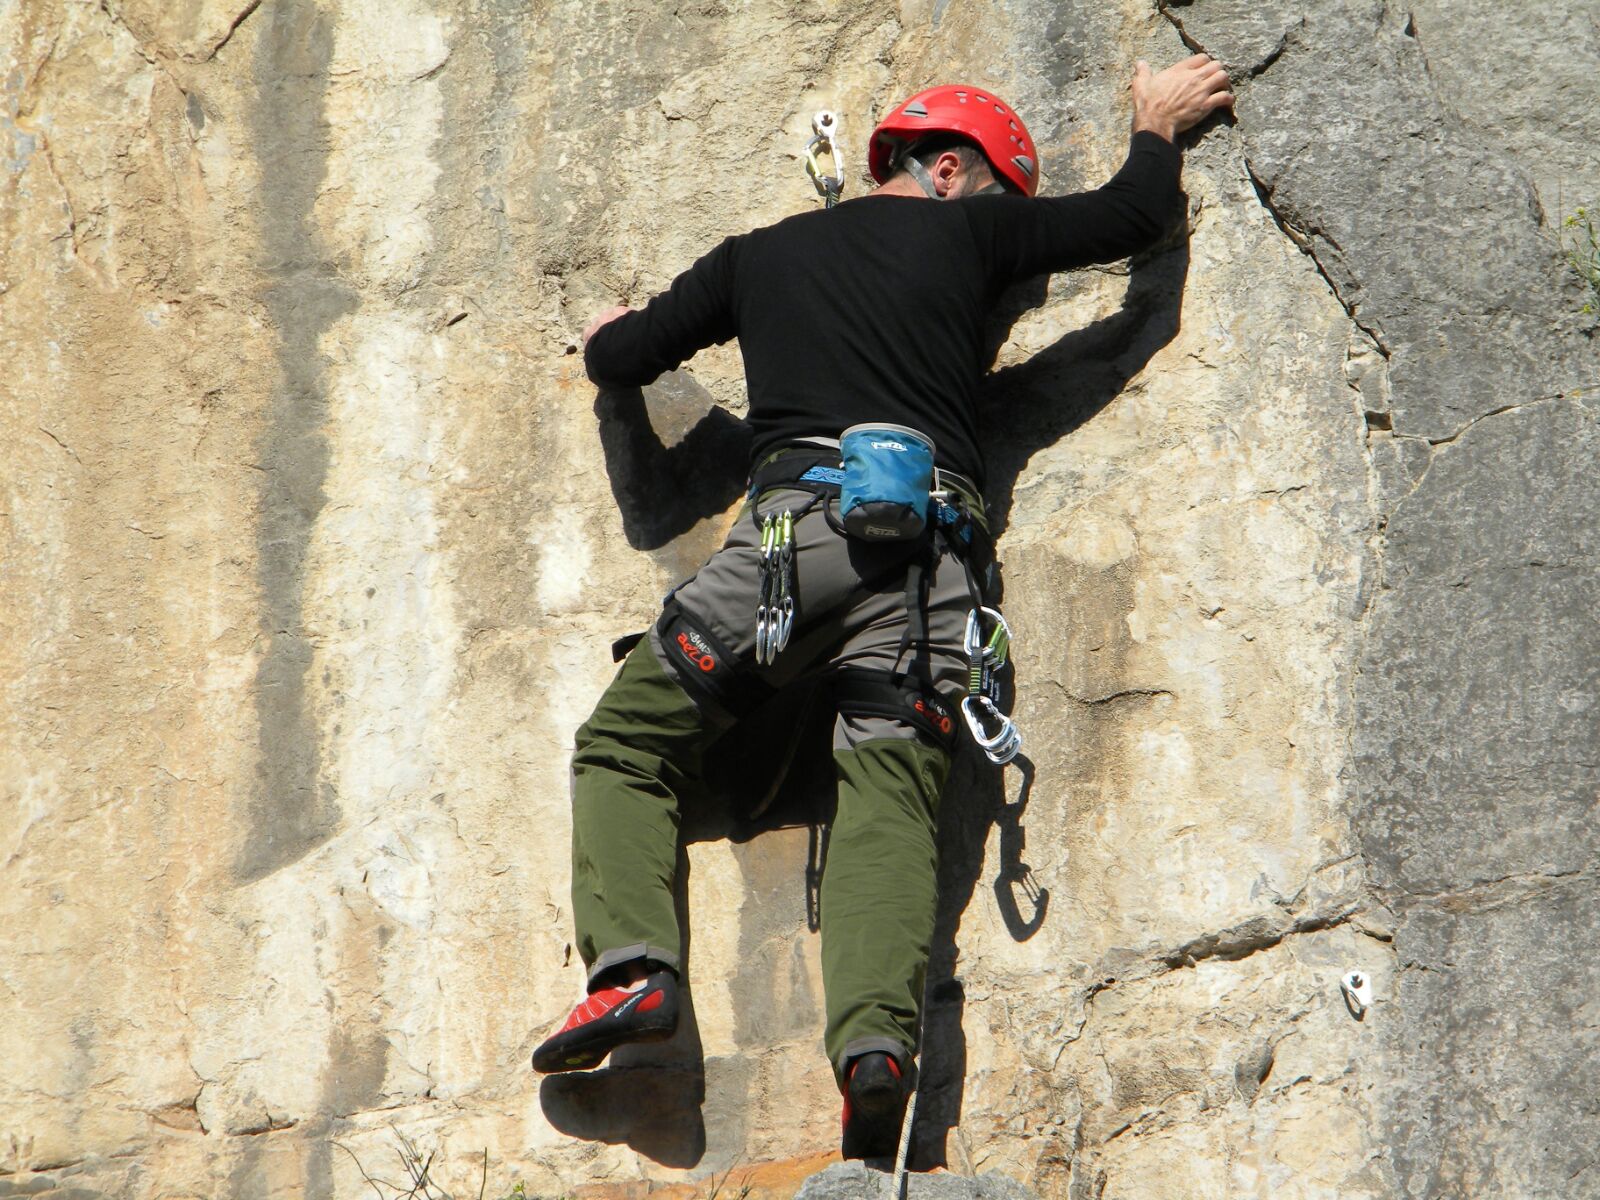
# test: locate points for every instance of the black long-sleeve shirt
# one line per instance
(874, 310)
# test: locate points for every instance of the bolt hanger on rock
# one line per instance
(1357, 989)
(825, 140)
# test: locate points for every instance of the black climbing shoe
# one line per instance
(874, 1103)
(646, 1011)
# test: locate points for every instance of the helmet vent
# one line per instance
(1024, 164)
(916, 109)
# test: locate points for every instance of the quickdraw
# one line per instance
(825, 128)
(987, 655)
(775, 607)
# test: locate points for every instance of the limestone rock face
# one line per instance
(314, 539)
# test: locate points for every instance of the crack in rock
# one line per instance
(232, 29)
(160, 56)
(1305, 241)
(1493, 893)
(1567, 394)
(1233, 944)
(1252, 937)
(1132, 693)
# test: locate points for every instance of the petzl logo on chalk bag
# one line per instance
(888, 475)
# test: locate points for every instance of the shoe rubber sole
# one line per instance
(652, 1016)
(877, 1105)
(591, 1052)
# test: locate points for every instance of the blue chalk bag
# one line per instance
(888, 475)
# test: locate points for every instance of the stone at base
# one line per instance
(857, 1181)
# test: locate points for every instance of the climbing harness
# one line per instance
(825, 139)
(865, 692)
(706, 667)
(816, 467)
(987, 655)
(775, 605)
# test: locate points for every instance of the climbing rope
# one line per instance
(825, 140)
(902, 1155)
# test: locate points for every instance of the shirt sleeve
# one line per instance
(695, 312)
(1019, 237)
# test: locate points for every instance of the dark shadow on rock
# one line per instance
(649, 1096)
(652, 1107)
(1034, 404)
(291, 808)
(663, 490)
(774, 770)
(1015, 874)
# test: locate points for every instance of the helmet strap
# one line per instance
(922, 175)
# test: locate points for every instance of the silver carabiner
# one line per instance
(764, 608)
(783, 552)
(785, 623)
(1000, 747)
(997, 646)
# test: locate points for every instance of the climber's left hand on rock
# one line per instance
(605, 318)
(1171, 101)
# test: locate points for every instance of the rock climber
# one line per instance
(869, 312)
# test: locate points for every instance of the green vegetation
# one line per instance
(1580, 238)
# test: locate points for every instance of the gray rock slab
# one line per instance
(1494, 1043)
(1501, 77)
(1480, 740)
(856, 1181)
(1478, 700)
(1431, 236)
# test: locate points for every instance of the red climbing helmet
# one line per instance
(973, 112)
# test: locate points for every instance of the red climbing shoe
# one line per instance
(646, 1011)
(874, 1104)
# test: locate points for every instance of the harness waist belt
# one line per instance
(957, 522)
(824, 466)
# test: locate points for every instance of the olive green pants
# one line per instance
(641, 749)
